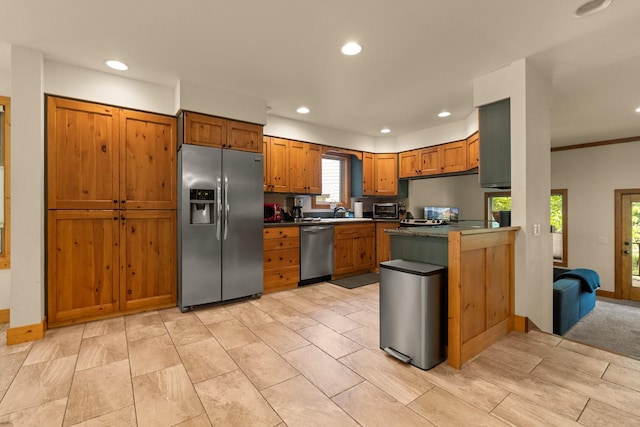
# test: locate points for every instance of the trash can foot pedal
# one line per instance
(402, 357)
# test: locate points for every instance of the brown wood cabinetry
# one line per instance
(383, 242)
(305, 168)
(201, 129)
(147, 259)
(276, 165)
(473, 151)
(354, 248)
(111, 211)
(368, 174)
(281, 258)
(379, 174)
(435, 160)
(83, 265)
(453, 157)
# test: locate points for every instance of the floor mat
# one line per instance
(357, 281)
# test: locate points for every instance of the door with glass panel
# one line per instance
(628, 244)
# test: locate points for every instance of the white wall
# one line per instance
(303, 131)
(81, 83)
(449, 132)
(590, 176)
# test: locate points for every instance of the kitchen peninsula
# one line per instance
(480, 269)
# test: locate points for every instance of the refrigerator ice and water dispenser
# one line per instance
(202, 203)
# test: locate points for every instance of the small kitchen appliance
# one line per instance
(385, 211)
(296, 208)
(272, 212)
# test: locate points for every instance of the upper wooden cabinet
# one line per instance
(453, 156)
(368, 174)
(201, 129)
(386, 174)
(435, 160)
(147, 161)
(244, 136)
(82, 155)
(305, 168)
(473, 151)
(101, 157)
(276, 165)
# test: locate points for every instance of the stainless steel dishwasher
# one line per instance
(316, 253)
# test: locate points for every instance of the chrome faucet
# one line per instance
(339, 209)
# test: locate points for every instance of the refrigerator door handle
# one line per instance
(218, 207)
(226, 206)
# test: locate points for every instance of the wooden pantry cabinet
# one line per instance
(281, 258)
(111, 198)
(276, 165)
(202, 129)
(353, 248)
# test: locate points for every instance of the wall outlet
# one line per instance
(536, 229)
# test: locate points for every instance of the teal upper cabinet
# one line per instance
(495, 144)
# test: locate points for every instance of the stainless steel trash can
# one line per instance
(413, 312)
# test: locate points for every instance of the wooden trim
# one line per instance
(5, 257)
(521, 323)
(607, 294)
(596, 144)
(22, 334)
(565, 226)
(5, 315)
(618, 240)
(341, 151)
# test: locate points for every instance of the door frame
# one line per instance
(618, 238)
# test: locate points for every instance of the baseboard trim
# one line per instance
(521, 323)
(607, 294)
(4, 316)
(22, 334)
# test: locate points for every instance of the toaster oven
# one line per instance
(385, 211)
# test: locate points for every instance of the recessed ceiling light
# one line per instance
(591, 7)
(117, 65)
(444, 114)
(638, 110)
(302, 110)
(385, 130)
(351, 48)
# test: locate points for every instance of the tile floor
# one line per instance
(299, 358)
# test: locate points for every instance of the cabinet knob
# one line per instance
(123, 201)
(122, 217)
(115, 201)
(115, 218)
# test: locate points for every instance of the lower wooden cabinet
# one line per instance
(354, 248)
(281, 258)
(106, 262)
(383, 242)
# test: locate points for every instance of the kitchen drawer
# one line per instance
(280, 232)
(281, 258)
(281, 276)
(283, 243)
(354, 230)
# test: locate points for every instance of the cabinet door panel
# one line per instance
(454, 156)
(244, 136)
(368, 174)
(473, 151)
(409, 164)
(297, 182)
(205, 130)
(82, 155)
(430, 161)
(313, 168)
(148, 254)
(278, 165)
(82, 265)
(148, 159)
(386, 174)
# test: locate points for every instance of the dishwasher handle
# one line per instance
(316, 228)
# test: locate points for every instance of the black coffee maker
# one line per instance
(296, 208)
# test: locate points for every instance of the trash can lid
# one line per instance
(412, 267)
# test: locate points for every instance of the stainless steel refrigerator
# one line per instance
(220, 221)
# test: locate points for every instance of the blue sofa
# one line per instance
(574, 295)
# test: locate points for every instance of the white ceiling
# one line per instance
(419, 56)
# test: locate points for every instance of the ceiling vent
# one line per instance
(592, 7)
